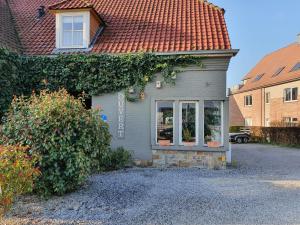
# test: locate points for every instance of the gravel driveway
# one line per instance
(264, 189)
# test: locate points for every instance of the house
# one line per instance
(269, 93)
(183, 125)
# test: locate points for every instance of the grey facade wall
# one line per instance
(192, 83)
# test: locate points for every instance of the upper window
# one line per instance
(290, 94)
(248, 100)
(248, 122)
(278, 71)
(268, 95)
(296, 67)
(72, 30)
(258, 77)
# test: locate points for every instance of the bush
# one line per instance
(10, 67)
(17, 174)
(117, 159)
(70, 139)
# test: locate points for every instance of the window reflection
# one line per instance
(213, 122)
(164, 122)
(188, 123)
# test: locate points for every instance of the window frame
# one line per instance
(174, 114)
(248, 118)
(85, 30)
(181, 143)
(291, 94)
(267, 97)
(222, 122)
(245, 100)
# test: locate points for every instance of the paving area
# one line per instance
(263, 189)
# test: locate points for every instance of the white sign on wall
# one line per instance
(121, 116)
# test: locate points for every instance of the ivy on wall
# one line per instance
(91, 74)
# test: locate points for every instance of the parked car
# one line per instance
(239, 138)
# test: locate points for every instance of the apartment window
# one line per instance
(296, 67)
(248, 122)
(248, 100)
(290, 121)
(278, 71)
(213, 122)
(72, 30)
(258, 77)
(290, 94)
(188, 123)
(267, 122)
(268, 97)
(164, 122)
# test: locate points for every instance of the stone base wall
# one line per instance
(199, 159)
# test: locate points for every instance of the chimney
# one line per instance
(41, 11)
(298, 39)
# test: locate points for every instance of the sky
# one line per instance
(258, 27)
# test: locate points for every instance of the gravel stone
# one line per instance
(263, 189)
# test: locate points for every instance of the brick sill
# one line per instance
(187, 148)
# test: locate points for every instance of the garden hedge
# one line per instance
(92, 74)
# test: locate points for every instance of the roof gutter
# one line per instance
(268, 85)
(229, 52)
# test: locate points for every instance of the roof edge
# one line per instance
(229, 52)
(268, 85)
(214, 6)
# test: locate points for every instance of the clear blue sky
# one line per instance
(258, 27)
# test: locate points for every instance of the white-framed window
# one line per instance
(268, 96)
(188, 123)
(248, 122)
(248, 100)
(165, 114)
(72, 30)
(290, 94)
(177, 123)
(213, 122)
(290, 121)
(267, 122)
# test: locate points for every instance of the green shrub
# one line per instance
(235, 129)
(10, 67)
(17, 174)
(94, 74)
(117, 159)
(70, 139)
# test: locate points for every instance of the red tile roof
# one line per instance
(286, 58)
(8, 35)
(132, 25)
(71, 4)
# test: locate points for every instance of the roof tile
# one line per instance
(132, 25)
(286, 57)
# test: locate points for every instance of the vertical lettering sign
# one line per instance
(121, 116)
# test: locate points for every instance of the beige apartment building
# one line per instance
(269, 93)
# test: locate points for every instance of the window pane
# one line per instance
(188, 117)
(212, 121)
(288, 94)
(164, 123)
(67, 23)
(78, 38)
(248, 122)
(295, 94)
(67, 38)
(78, 23)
